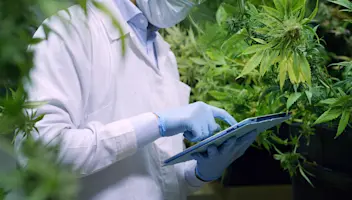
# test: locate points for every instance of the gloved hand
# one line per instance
(196, 121)
(211, 164)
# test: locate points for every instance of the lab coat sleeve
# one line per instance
(187, 177)
(146, 129)
(61, 77)
(190, 175)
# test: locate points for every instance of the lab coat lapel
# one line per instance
(117, 31)
(141, 50)
(162, 50)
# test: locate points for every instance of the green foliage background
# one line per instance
(260, 57)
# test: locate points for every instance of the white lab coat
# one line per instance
(94, 92)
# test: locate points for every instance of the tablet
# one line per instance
(238, 130)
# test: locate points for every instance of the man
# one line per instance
(118, 117)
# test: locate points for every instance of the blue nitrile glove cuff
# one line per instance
(161, 125)
(200, 177)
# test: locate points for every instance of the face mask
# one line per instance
(166, 13)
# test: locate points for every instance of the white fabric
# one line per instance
(146, 127)
(94, 94)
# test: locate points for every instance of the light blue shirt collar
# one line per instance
(134, 16)
(128, 9)
(145, 31)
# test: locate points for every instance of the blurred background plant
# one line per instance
(43, 177)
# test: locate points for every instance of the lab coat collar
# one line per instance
(127, 9)
(163, 48)
(113, 31)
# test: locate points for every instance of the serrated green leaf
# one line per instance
(282, 73)
(252, 9)
(344, 64)
(347, 10)
(291, 74)
(215, 103)
(46, 30)
(292, 99)
(216, 56)
(343, 93)
(343, 122)
(329, 115)
(40, 117)
(313, 14)
(309, 95)
(198, 61)
(304, 175)
(221, 15)
(264, 65)
(34, 104)
(233, 41)
(273, 58)
(218, 95)
(279, 6)
(271, 11)
(277, 156)
(329, 101)
(296, 65)
(252, 63)
(298, 4)
(255, 48)
(260, 41)
(302, 13)
(344, 3)
(344, 101)
(266, 146)
(305, 70)
(35, 41)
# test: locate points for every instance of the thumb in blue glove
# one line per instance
(196, 121)
(211, 164)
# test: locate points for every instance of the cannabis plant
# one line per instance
(281, 35)
(260, 57)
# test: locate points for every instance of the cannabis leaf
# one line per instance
(341, 106)
(345, 3)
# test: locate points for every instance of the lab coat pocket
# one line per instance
(104, 115)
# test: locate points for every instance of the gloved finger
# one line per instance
(223, 115)
(248, 137)
(227, 145)
(212, 151)
(241, 146)
(197, 156)
(239, 150)
(213, 127)
(205, 132)
(193, 133)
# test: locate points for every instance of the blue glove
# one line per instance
(211, 164)
(196, 121)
